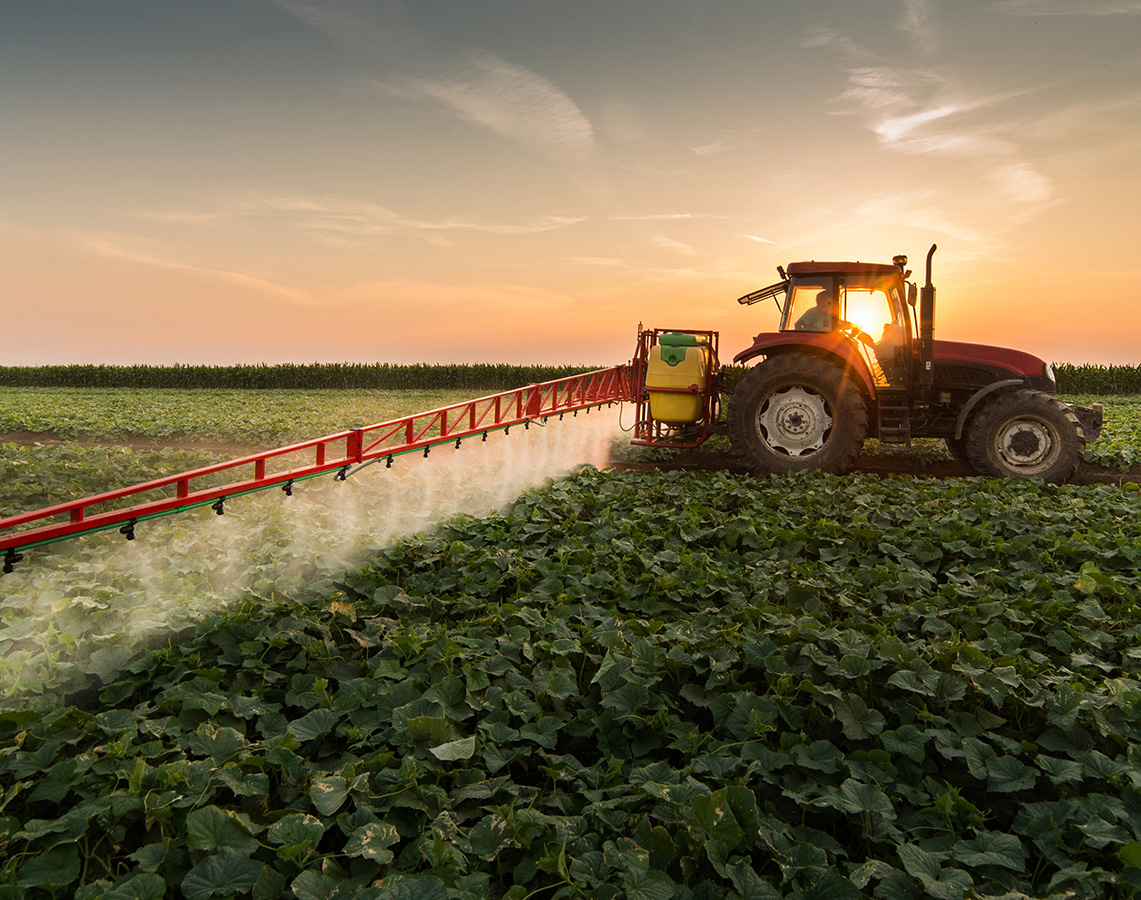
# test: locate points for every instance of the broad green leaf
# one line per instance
(648, 884)
(328, 794)
(907, 740)
(560, 682)
(431, 729)
(749, 884)
(453, 750)
(242, 783)
(1100, 833)
(415, 887)
(822, 756)
(857, 721)
(299, 831)
(544, 732)
(223, 875)
(938, 882)
(991, 848)
(211, 829)
(56, 867)
(714, 820)
(1130, 854)
(221, 744)
(1006, 774)
(1059, 771)
(313, 724)
(372, 841)
(313, 885)
(855, 797)
(487, 836)
(140, 886)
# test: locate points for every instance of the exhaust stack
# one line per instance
(927, 333)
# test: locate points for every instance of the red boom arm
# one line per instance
(339, 453)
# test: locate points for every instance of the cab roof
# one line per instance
(841, 268)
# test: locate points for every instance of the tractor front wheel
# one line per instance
(795, 413)
(1026, 434)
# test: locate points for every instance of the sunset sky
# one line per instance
(523, 181)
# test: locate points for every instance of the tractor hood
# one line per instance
(1014, 361)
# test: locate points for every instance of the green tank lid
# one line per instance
(674, 345)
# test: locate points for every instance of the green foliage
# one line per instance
(290, 376)
(40, 475)
(263, 418)
(633, 685)
(1119, 446)
(1094, 379)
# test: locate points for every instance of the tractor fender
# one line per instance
(977, 398)
(832, 345)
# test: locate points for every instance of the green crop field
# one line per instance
(645, 685)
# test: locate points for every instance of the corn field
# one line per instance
(1072, 379)
(1092, 379)
(289, 376)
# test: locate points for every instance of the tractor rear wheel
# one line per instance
(794, 413)
(1026, 434)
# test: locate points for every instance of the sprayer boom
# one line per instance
(341, 453)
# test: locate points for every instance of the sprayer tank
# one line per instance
(677, 376)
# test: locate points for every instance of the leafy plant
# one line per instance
(632, 685)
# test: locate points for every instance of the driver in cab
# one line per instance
(819, 317)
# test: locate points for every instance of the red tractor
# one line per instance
(855, 358)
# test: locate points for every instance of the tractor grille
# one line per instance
(948, 376)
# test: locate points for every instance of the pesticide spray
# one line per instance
(93, 605)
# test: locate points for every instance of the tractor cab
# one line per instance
(863, 302)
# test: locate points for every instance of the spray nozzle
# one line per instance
(457, 443)
(342, 474)
(288, 488)
(219, 506)
(388, 465)
(128, 530)
(10, 559)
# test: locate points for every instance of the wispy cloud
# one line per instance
(1067, 7)
(359, 25)
(110, 248)
(510, 100)
(924, 110)
(917, 22)
(920, 209)
(352, 218)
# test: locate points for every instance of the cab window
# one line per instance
(811, 306)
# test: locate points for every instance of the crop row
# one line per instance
(290, 376)
(1072, 379)
(633, 685)
(1095, 379)
(262, 418)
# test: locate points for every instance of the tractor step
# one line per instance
(894, 426)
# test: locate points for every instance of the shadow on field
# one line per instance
(895, 463)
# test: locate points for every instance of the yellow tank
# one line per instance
(679, 362)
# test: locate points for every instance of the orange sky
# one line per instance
(360, 180)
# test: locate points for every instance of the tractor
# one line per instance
(855, 357)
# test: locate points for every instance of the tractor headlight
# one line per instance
(1048, 372)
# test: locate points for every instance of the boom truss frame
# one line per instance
(340, 453)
